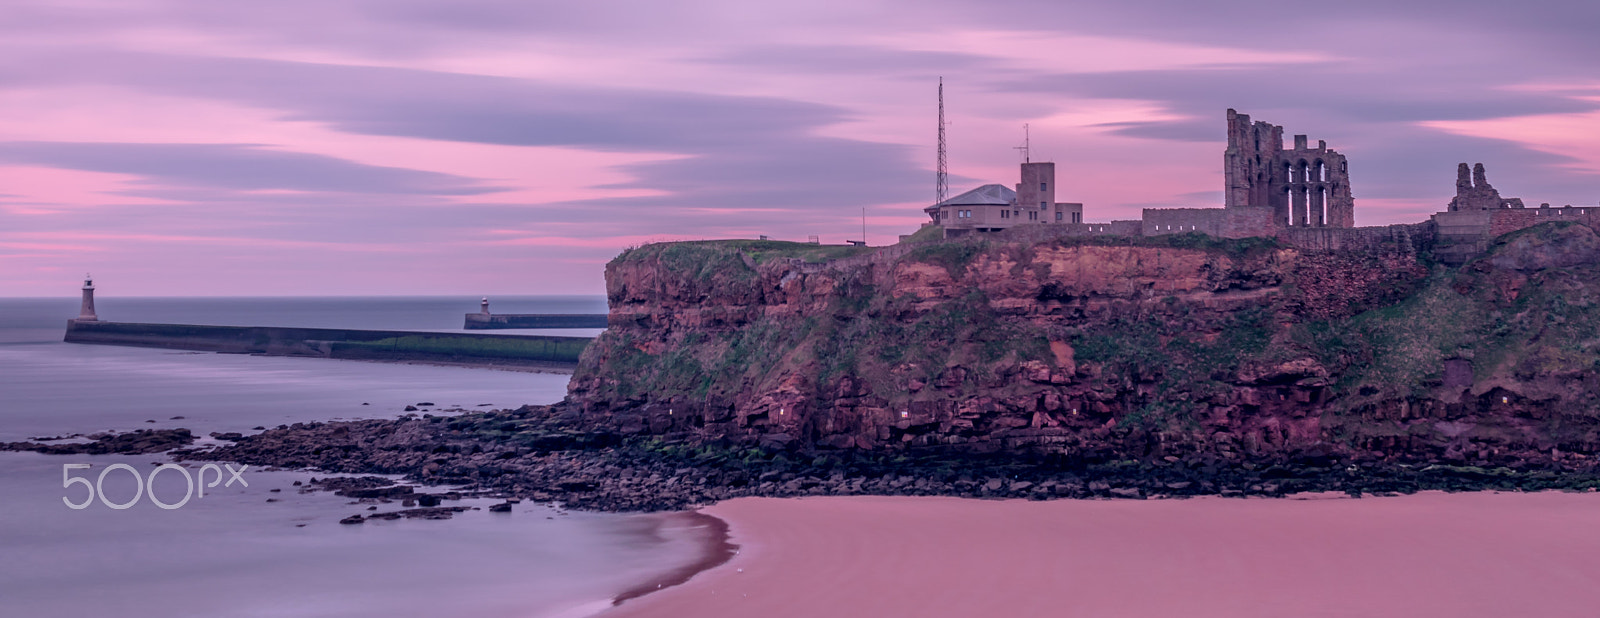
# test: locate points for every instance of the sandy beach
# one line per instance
(1430, 554)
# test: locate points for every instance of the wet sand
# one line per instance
(1431, 554)
(715, 549)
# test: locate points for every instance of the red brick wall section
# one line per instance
(1245, 222)
(1512, 219)
(1363, 238)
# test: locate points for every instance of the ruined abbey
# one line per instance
(1303, 187)
(1299, 195)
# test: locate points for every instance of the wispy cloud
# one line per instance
(399, 146)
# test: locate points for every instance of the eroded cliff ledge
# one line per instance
(1176, 348)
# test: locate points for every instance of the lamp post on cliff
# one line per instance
(86, 311)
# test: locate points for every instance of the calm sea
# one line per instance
(234, 553)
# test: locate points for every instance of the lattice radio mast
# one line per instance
(941, 184)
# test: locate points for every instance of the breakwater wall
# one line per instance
(383, 345)
(482, 321)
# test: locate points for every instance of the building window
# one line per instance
(1042, 187)
(1058, 216)
(1005, 214)
(1033, 216)
(1076, 216)
(1044, 205)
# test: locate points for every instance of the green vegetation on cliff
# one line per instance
(691, 256)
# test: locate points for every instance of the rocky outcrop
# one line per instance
(533, 453)
(1153, 348)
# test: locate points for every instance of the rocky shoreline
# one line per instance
(536, 453)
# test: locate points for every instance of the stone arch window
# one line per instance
(1322, 212)
(1303, 171)
(1320, 171)
(1288, 172)
(1288, 201)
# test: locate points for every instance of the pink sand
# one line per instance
(1433, 554)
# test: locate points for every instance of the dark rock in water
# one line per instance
(353, 519)
(274, 490)
(229, 436)
(411, 409)
(394, 491)
(177, 418)
(577, 485)
(141, 442)
(365, 403)
(443, 512)
(258, 428)
(372, 508)
(503, 507)
(427, 500)
(363, 487)
(297, 483)
(425, 403)
(150, 421)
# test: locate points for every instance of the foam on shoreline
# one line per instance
(711, 535)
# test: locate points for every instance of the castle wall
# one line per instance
(1158, 221)
(1512, 219)
(1244, 222)
(1411, 235)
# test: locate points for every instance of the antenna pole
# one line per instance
(941, 185)
(863, 225)
(1026, 144)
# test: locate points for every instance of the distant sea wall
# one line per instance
(483, 321)
(465, 348)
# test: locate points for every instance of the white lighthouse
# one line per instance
(485, 310)
(86, 312)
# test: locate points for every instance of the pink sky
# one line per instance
(504, 147)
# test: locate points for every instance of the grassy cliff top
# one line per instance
(761, 251)
(758, 250)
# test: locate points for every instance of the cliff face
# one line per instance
(1182, 348)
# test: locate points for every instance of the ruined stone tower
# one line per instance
(1304, 187)
(1473, 192)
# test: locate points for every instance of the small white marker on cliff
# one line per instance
(86, 312)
